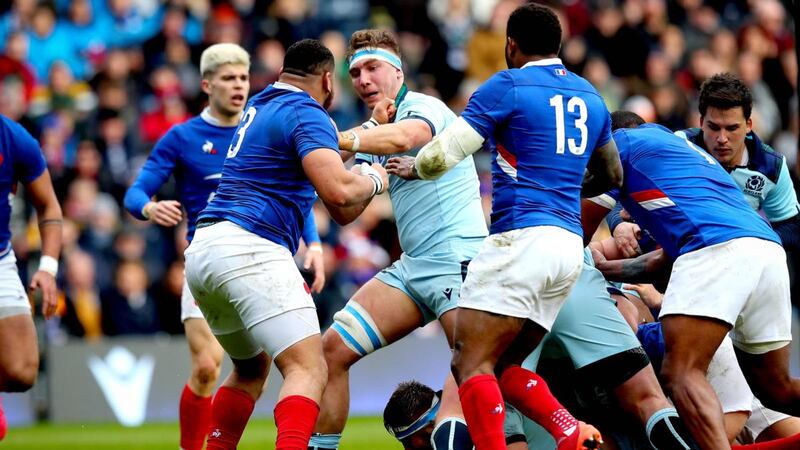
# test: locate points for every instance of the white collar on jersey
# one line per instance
(211, 120)
(291, 87)
(543, 62)
(745, 158)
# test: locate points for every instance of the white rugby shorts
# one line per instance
(526, 273)
(743, 282)
(13, 297)
(240, 279)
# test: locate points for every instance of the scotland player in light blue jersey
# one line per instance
(546, 126)
(440, 225)
(681, 195)
(194, 152)
(21, 161)
(239, 265)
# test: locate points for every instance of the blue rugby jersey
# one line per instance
(194, 152)
(543, 122)
(263, 187)
(21, 161)
(681, 194)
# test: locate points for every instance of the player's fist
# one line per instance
(384, 111)
(626, 237)
(46, 284)
(381, 172)
(166, 213)
(403, 167)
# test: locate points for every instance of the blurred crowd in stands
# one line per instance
(98, 82)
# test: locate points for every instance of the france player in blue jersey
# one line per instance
(195, 152)
(762, 174)
(546, 126)
(440, 226)
(21, 161)
(239, 265)
(695, 211)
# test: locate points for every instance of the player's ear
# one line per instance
(205, 85)
(749, 123)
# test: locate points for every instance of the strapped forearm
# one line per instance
(446, 150)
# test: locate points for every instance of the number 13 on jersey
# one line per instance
(575, 147)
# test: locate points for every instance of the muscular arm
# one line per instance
(344, 193)
(389, 139)
(605, 171)
(651, 267)
(50, 220)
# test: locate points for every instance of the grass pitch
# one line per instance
(363, 433)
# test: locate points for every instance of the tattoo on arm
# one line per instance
(46, 222)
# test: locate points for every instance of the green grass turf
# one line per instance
(365, 433)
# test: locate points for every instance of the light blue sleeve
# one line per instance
(427, 109)
(781, 202)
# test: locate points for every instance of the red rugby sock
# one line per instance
(195, 418)
(230, 411)
(295, 417)
(484, 411)
(528, 392)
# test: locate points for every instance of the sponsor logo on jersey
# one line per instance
(754, 185)
(208, 148)
(125, 382)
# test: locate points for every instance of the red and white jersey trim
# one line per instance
(652, 199)
(507, 161)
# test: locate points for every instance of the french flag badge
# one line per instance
(560, 72)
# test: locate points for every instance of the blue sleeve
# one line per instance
(155, 172)
(781, 202)
(789, 232)
(491, 104)
(313, 130)
(29, 163)
(310, 233)
(614, 218)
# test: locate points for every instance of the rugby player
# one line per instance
(21, 161)
(694, 210)
(195, 152)
(545, 125)
(239, 265)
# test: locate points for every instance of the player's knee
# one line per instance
(205, 371)
(19, 375)
(357, 330)
(338, 356)
(451, 434)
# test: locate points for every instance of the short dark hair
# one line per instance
(625, 119)
(725, 91)
(308, 57)
(406, 404)
(535, 29)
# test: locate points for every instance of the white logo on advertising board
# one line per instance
(125, 382)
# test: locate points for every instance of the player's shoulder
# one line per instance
(763, 158)
(422, 103)
(10, 126)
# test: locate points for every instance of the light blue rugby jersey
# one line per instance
(429, 213)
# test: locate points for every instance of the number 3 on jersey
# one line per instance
(246, 121)
(557, 102)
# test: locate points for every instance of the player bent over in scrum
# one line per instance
(239, 265)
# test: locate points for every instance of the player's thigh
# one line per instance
(203, 346)
(690, 343)
(726, 378)
(19, 351)
(589, 327)
(394, 312)
(525, 273)
(765, 321)
(481, 339)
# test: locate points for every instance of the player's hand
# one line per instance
(598, 256)
(384, 111)
(316, 262)
(626, 237)
(166, 213)
(403, 167)
(648, 293)
(46, 283)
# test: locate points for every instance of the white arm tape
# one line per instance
(373, 175)
(449, 148)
